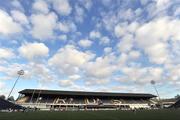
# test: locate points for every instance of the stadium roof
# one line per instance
(82, 93)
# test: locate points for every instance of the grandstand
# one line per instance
(78, 100)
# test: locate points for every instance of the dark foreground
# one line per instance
(95, 115)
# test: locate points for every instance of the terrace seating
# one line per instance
(23, 99)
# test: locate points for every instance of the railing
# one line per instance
(52, 104)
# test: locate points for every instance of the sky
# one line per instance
(91, 45)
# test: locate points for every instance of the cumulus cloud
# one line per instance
(94, 34)
(134, 54)
(173, 72)
(141, 75)
(33, 50)
(102, 67)
(124, 28)
(6, 53)
(42, 72)
(162, 3)
(107, 50)
(66, 83)
(62, 7)
(85, 43)
(20, 17)
(70, 82)
(41, 6)
(126, 43)
(43, 25)
(17, 5)
(74, 77)
(86, 3)
(79, 14)
(69, 59)
(8, 25)
(67, 26)
(104, 40)
(153, 37)
(62, 37)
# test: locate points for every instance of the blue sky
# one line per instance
(91, 45)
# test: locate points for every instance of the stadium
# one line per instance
(89, 59)
(76, 100)
(37, 104)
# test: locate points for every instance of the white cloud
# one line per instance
(86, 3)
(79, 14)
(33, 50)
(127, 14)
(162, 3)
(97, 81)
(70, 82)
(20, 17)
(102, 67)
(62, 7)
(107, 50)
(10, 70)
(17, 5)
(2, 85)
(33, 70)
(41, 6)
(134, 54)
(126, 43)
(41, 72)
(94, 34)
(122, 59)
(104, 40)
(8, 26)
(138, 11)
(6, 53)
(62, 37)
(124, 28)
(66, 83)
(144, 2)
(173, 72)
(177, 12)
(153, 37)
(67, 26)
(69, 59)
(141, 75)
(85, 43)
(74, 77)
(43, 25)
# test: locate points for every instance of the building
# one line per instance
(168, 102)
(78, 100)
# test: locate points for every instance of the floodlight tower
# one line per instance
(153, 83)
(20, 72)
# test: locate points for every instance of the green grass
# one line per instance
(94, 115)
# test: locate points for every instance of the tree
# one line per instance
(3, 97)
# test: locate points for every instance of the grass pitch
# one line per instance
(95, 115)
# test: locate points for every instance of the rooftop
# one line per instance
(84, 93)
